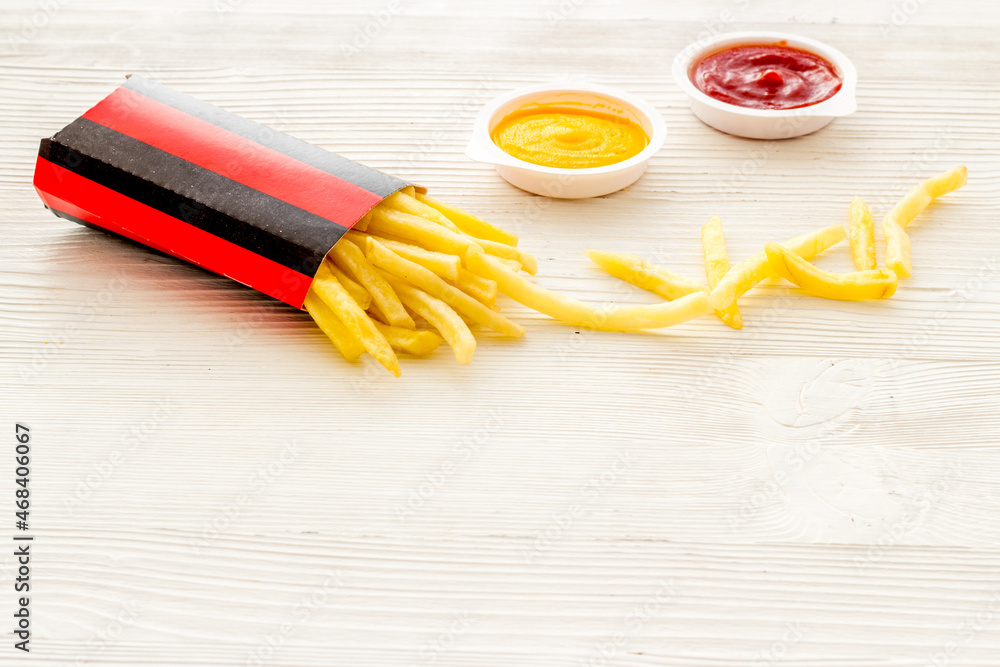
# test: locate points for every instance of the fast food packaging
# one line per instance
(207, 186)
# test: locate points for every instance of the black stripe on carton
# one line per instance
(258, 222)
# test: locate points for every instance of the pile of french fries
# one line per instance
(398, 282)
(415, 271)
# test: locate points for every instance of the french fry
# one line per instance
(405, 202)
(753, 270)
(920, 197)
(511, 264)
(426, 234)
(358, 324)
(861, 234)
(429, 282)
(362, 224)
(348, 346)
(358, 292)
(571, 311)
(417, 343)
(717, 266)
(482, 289)
(440, 316)
(414, 255)
(644, 274)
(376, 314)
(469, 223)
(856, 286)
(897, 248)
(351, 258)
(446, 266)
(897, 243)
(505, 251)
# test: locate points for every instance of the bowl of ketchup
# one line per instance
(766, 85)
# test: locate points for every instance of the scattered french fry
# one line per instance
(414, 258)
(750, 272)
(920, 197)
(645, 275)
(861, 234)
(571, 311)
(897, 243)
(867, 284)
(897, 248)
(717, 266)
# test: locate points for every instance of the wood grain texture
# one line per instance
(213, 486)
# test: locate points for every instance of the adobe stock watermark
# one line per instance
(366, 33)
(986, 274)
(921, 161)
(136, 436)
(800, 456)
(573, 342)
(301, 612)
(900, 15)
(223, 7)
(370, 371)
(967, 632)
(719, 24)
(605, 651)
(257, 484)
(459, 113)
(759, 155)
(30, 26)
(537, 206)
(763, 495)
(431, 651)
(912, 516)
(711, 28)
(462, 452)
(101, 640)
(719, 371)
(564, 10)
(778, 649)
(87, 312)
(561, 522)
(767, 493)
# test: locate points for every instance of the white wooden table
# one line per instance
(211, 485)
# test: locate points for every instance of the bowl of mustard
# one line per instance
(568, 140)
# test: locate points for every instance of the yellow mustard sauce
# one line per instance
(568, 138)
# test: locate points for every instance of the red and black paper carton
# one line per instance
(205, 185)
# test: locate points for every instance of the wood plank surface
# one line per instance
(212, 485)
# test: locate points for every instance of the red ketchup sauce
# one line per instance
(766, 76)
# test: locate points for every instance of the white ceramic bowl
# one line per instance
(567, 183)
(766, 123)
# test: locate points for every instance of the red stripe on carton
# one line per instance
(106, 208)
